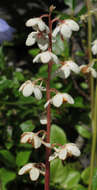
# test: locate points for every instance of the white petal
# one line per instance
(63, 154)
(93, 72)
(53, 156)
(94, 49)
(54, 58)
(43, 43)
(56, 31)
(34, 174)
(25, 169)
(65, 31)
(26, 136)
(37, 142)
(31, 39)
(37, 58)
(47, 103)
(57, 100)
(72, 24)
(28, 90)
(94, 42)
(64, 72)
(32, 22)
(45, 57)
(41, 25)
(37, 93)
(67, 97)
(73, 66)
(43, 119)
(73, 149)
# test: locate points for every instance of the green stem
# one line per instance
(94, 137)
(93, 106)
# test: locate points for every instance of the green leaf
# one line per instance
(72, 179)
(85, 175)
(22, 157)
(84, 85)
(83, 131)
(70, 3)
(19, 76)
(79, 187)
(64, 176)
(94, 181)
(34, 52)
(27, 126)
(57, 135)
(78, 103)
(5, 177)
(7, 158)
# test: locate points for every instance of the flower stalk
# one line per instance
(48, 151)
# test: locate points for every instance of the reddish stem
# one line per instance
(48, 150)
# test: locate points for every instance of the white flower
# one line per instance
(88, 69)
(65, 28)
(41, 39)
(59, 98)
(33, 170)
(28, 87)
(37, 24)
(94, 47)
(43, 119)
(46, 57)
(65, 70)
(65, 151)
(31, 138)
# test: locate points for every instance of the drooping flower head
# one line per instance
(46, 57)
(60, 98)
(37, 24)
(34, 170)
(29, 87)
(39, 37)
(65, 151)
(65, 28)
(6, 31)
(66, 68)
(31, 138)
(88, 69)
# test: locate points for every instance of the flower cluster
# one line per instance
(41, 36)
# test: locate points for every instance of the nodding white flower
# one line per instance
(46, 57)
(65, 70)
(37, 24)
(43, 119)
(31, 138)
(39, 37)
(66, 150)
(94, 47)
(59, 98)
(28, 88)
(65, 28)
(88, 69)
(33, 169)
